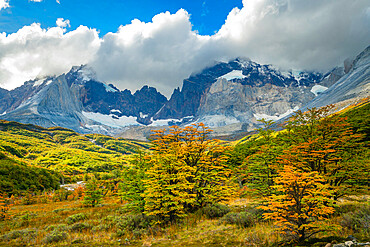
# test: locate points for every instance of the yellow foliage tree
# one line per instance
(186, 171)
(301, 204)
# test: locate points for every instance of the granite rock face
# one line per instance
(188, 100)
(230, 102)
(53, 105)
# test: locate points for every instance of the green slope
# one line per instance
(64, 150)
(16, 176)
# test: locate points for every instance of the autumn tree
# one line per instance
(324, 144)
(186, 171)
(301, 203)
(4, 207)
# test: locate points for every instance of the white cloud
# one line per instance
(297, 34)
(58, 1)
(63, 23)
(33, 51)
(36, 1)
(4, 4)
(159, 53)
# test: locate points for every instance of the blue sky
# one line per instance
(106, 16)
(170, 40)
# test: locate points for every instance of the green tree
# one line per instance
(132, 187)
(261, 167)
(93, 193)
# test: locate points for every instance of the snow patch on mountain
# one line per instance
(317, 89)
(95, 128)
(235, 74)
(217, 120)
(109, 89)
(111, 120)
(259, 116)
(162, 122)
(142, 115)
(115, 110)
(38, 83)
(42, 81)
(87, 74)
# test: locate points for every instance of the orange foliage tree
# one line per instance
(185, 172)
(301, 204)
(325, 144)
(4, 207)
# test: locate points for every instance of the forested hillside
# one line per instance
(63, 151)
(306, 184)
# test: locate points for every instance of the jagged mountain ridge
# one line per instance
(229, 96)
(78, 101)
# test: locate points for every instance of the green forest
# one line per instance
(301, 183)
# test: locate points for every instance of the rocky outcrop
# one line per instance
(98, 97)
(230, 102)
(185, 102)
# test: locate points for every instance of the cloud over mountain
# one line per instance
(296, 34)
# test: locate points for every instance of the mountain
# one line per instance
(243, 71)
(229, 97)
(78, 101)
(252, 91)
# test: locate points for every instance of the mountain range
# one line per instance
(229, 97)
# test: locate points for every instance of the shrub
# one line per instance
(93, 193)
(75, 217)
(25, 234)
(61, 227)
(61, 195)
(80, 226)
(214, 211)
(55, 236)
(242, 219)
(24, 220)
(138, 224)
(357, 220)
(28, 199)
(63, 210)
(101, 227)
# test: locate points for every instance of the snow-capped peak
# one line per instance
(235, 74)
(87, 73)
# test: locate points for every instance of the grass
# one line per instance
(68, 223)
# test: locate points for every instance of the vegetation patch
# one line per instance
(55, 236)
(75, 217)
